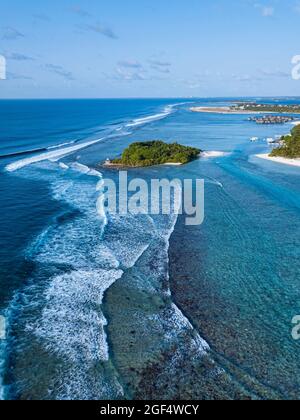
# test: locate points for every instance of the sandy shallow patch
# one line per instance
(285, 161)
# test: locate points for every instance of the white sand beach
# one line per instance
(282, 160)
(120, 166)
(224, 110)
(172, 164)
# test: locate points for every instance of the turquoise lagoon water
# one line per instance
(139, 307)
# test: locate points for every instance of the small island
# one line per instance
(154, 153)
(249, 108)
(288, 152)
(290, 145)
(267, 108)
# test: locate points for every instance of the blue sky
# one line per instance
(143, 48)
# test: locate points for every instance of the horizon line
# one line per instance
(151, 97)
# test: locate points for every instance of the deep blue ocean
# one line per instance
(138, 307)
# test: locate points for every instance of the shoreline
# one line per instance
(224, 111)
(119, 166)
(229, 111)
(204, 154)
(281, 160)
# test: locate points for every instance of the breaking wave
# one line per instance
(59, 151)
(56, 154)
(58, 316)
(146, 120)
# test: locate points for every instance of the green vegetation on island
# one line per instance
(155, 153)
(278, 108)
(290, 145)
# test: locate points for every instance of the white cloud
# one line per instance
(160, 63)
(160, 66)
(297, 7)
(274, 73)
(18, 57)
(268, 11)
(128, 75)
(60, 71)
(79, 11)
(131, 64)
(11, 34)
(100, 29)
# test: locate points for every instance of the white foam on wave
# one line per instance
(176, 333)
(173, 322)
(180, 321)
(2, 364)
(97, 251)
(57, 146)
(63, 166)
(85, 169)
(146, 120)
(80, 168)
(72, 325)
(142, 121)
(213, 154)
(56, 154)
